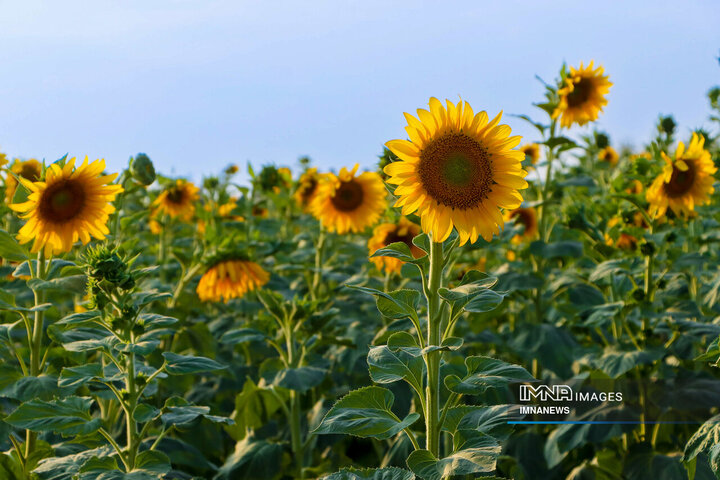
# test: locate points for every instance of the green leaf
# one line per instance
(706, 437)
(253, 460)
(473, 453)
(395, 305)
(301, 379)
(139, 348)
(183, 364)
(491, 420)
(365, 412)
(617, 362)
(556, 249)
(473, 294)
(401, 251)
(242, 335)
(65, 467)
(484, 373)
(79, 318)
(390, 473)
(610, 267)
(10, 249)
(72, 284)
(386, 366)
(144, 413)
(406, 343)
(146, 298)
(75, 377)
(69, 416)
(154, 320)
(253, 407)
(178, 415)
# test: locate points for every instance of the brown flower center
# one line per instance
(526, 218)
(581, 93)
(348, 196)
(62, 201)
(29, 172)
(456, 171)
(394, 236)
(681, 182)
(307, 188)
(176, 195)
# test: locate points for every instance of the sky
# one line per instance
(199, 85)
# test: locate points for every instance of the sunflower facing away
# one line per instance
(582, 97)
(385, 234)
(457, 170)
(307, 186)
(71, 204)
(348, 202)
(685, 182)
(527, 217)
(178, 200)
(228, 279)
(27, 169)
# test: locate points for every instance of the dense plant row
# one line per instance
(370, 325)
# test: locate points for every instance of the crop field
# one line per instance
(473, 305)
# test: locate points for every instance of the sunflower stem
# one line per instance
(432, 359)
(318, 264)
(36, 337)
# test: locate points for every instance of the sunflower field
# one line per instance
(476, 306)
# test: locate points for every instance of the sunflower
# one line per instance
(346, 202)
(385, 234)
(27, 169)
(635, 187)
(178, 200)
(456, 171)
(532, 152)
(685, 182)
(582, 97)
(527, 217)
(307, 186)
(71, 204)
(624, 242)
(231, 278)
(3, 159)
(259, 211)
(608, 154)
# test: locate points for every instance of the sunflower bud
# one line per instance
(667, 125)
(647, 249)
(142, 169)
(211, 183)
(601, 140)
(638, 294)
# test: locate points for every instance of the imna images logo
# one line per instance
(560, 394)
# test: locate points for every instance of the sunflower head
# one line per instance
(71, 204)
(28, 169)
(527, 217)
(306, 188)
(387, 233)
(457, 170)
(231, 169)
(3, 159)
(582, 95)
(532, 152)
(684, 182)
(230, 277)
(178, 200)
(348, 202)
(609, 155)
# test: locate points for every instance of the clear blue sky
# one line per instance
(201, 84)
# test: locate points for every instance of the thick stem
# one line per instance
(318, 264)
(295, 407)
(36, 343)
(432, 359)
(132, 434)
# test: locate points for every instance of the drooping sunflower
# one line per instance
(685, 182)
(608, 154)
(457, 170)
(348, 202)
(70, 204)
(385, 234)
(27, 169)
(582, 96)
(532, 152)
(527, 217)
(231, 278)
(178, 200)
(307, 186)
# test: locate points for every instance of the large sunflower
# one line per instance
(527, 217)
(306, 188)
(457, 170)
(71, 204)
(27, 169)
(178, 200)
(347, 202)
(582, 97)
(231, 278)
(685, 182)
(385, 234)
